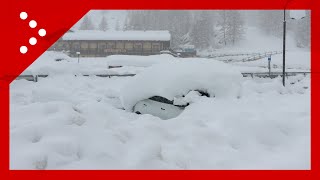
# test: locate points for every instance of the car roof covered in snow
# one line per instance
(177, 78)
(118, 35)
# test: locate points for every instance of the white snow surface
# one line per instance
(299, 60)
(117, 35)
(295, 61)
(138, 61)
(178, 78)
(67, 122)
(47, 65)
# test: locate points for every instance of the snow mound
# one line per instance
(80, 127)
(58, 63)
(138, 61)
(45, 63)
(176, 79)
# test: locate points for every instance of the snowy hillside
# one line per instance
(255, 41)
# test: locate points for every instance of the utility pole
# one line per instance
(284, 49)
(284, 39)
(269, 65)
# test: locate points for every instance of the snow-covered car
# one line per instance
(160, 109)
(186, 51)
(172, 53)
(165, 108)
(165, 90)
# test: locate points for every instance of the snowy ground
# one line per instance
(297, 60)
(46, 64)
(67, 122)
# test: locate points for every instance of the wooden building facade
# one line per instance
(100, 43)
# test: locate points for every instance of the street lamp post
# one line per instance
(299, 14)
(78, 53)
(284, 49)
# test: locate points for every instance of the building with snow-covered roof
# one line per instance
(104, 43)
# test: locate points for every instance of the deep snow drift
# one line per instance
(67, 122)
(47, 64)
(176, 79)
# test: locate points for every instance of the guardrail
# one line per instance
(252, 56)
(260, 56)
(230, 54)
(273, 74)
(245, 74)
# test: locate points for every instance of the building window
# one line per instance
(120, 45)
(147, 46)
(156, 47)
(111, 45)
(129, 45)
(137, 45)
(102, 46)
(76, 46)
(93, 45)
(84, 45)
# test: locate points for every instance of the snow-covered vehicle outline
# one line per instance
(164, 108)
(165, 90)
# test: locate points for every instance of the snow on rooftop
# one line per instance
(118, 35)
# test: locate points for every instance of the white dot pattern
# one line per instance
(23, 49)
(23, 15)
(33, 41)
(33, 24)
(42, 32)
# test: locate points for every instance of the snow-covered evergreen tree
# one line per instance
(86, 24)
(103, 26)
(236, 26)
(206, 28)
(231, 27)
(271, 22)
(203, 31)
(136, 20)
(117, 27)
(179, 26)
(223, 27)
(302, 31)
(177, 22)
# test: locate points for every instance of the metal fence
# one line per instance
(250, 56)
(260, 56)
(274, 74)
